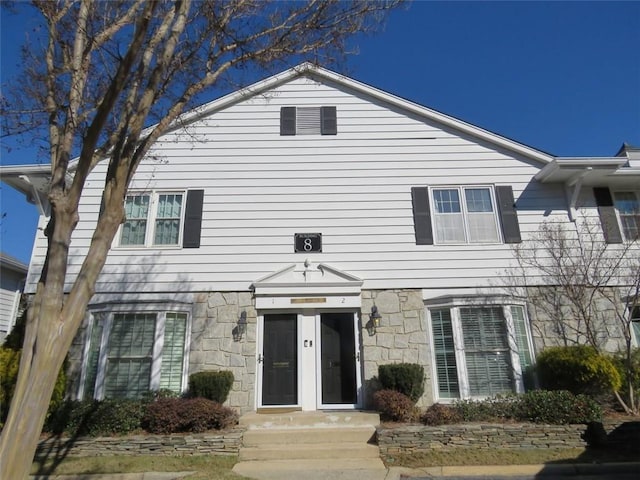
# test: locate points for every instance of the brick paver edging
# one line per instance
(210, 443)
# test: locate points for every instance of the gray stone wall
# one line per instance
(413, 439)
(400, 338)
(210, 443)
(214, 348)
(554, 324)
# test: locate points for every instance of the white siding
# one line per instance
(354, 188)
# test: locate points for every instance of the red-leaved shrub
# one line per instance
(394, 406)
(172, 415)
(438, 414)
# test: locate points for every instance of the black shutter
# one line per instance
(508, 214)
(607, 212)
(328, 121)
(422, 215)
(193, 219)
(288, 121)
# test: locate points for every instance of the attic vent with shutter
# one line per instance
(308, 121)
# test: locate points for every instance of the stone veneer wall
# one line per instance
(407, 439)
(215, 316)
(412, 439)
(211, 443)
(400, 338)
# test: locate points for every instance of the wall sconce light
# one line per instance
(374, 321)
(241, 328)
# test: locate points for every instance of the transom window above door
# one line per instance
(464, 215)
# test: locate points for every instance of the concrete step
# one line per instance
(347, 418)
(295, 436)
(339, 469)
(310, 451)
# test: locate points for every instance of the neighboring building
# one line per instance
(13, 274)
(267, 236)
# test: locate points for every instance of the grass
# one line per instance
(205, 466)
(436, 458)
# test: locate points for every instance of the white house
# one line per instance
(13, 273)
(268, 235)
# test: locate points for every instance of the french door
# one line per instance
(309, 360)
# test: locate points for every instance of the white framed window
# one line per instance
(479, 350)
(464, 215)
(131, 352)
(635, 325)
(627, 206)
(152, 219)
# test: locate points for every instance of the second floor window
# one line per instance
(152, 219)
(464, 215)
(628, 208)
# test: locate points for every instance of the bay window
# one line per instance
(479, 351)
(130, 353)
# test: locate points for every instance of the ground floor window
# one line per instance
(479, 351)
(635, 324)
(131, 353)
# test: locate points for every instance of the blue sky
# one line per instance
(562, 77)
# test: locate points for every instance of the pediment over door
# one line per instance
(307, 285)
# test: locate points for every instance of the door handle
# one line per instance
(305, 343)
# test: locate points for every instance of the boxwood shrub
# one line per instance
(406, 378)
(213, 386)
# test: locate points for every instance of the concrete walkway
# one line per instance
(328, 471)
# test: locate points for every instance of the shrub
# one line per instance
(557, 407)
(394, 406)
(172, 415)
(579, 369)
(438, 414)
(97, 418)
(406, 378)
(629, 372)
(213, 386)
(494, 409)
(9, 363)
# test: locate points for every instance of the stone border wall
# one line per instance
(212, 443)
(413, 439)
(417, 438)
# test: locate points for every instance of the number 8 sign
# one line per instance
(307, 242)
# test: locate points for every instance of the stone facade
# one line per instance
(213, 346)
(400, 338)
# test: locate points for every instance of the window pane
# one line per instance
(167, 227)
(486, 351)
(92, 360)
(483, 227)
(478, 200)
(448, 220)
(136, 209)
(522, 339)
(629, 210)
(635, 324)
(446, 201)
(129, 355)
(175, 329)
(445, 355)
